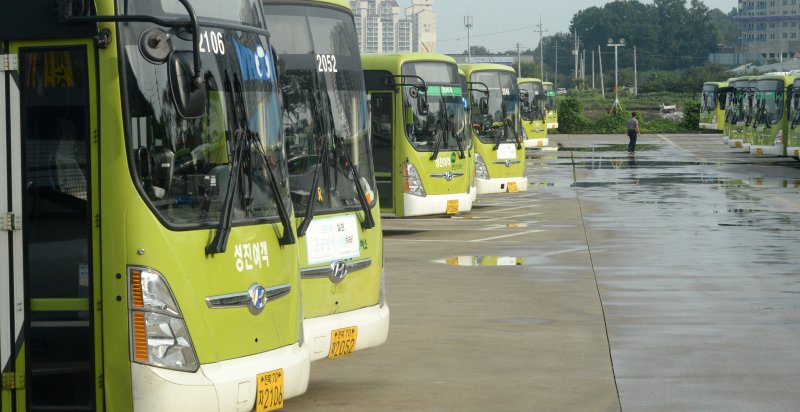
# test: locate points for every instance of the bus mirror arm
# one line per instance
(66, 15)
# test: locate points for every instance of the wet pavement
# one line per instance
(664, 281)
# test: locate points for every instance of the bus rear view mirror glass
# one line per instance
(422, 104)
(190, 101)
(483, 105)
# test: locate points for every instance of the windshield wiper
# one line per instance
(437, 142)
(369, 222)
(309, 212)
(245, 140)
(448, 130)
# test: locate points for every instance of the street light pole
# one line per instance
(468, 25)
(616, 46)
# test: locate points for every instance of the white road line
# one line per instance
(509, 235)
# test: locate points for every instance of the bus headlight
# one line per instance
(779, 138)
(413, 183)
(158, 333)
(481, 171)
(525, 134)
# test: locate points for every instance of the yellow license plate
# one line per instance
(343, 342)
(512, 187)
(270, 391)
(452, 207)
(452, 261)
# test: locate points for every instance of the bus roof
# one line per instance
(345, 4)
(788, 79)
(479, 67)
(547, 83)
(393, 62)
(528, 80)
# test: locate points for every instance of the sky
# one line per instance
(499, 24)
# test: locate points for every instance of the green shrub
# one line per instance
(661, 126)
(613, 123)
(570, 116)
(691, 115)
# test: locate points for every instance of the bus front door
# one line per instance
(47, 329)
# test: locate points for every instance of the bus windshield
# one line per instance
(501, 124)
(535, 101)
(444, 121)
(708, 101)
(185, 166)
(770, 101)
(238, 12)
(325, 111)
(550, 97)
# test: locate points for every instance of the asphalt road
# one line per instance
(664, 281)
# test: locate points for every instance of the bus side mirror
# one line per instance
(422, 104)
(483, 105)
(190, 100)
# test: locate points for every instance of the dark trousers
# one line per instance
(632, 137)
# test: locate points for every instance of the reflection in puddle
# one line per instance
(473, 261)
(610, 148)
(701, 180)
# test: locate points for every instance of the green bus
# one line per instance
(326, 123)
(771, 122)
(550, 106)
(496, 128)
(741, 119)
(793, 137)
(532, 112)
(152, 258)
(418, 133)
(712, 105)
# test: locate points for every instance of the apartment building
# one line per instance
(382, 28)
(770, 28)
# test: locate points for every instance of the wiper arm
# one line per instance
(283, 211)
(369, 222)
(438, 142)
(220, 241)
(309, 212)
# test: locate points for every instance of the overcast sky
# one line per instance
(499, 24)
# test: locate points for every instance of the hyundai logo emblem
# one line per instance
(258, 298)
(448, 176)
(508, 163)
(338, 271)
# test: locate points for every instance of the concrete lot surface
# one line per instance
(664, 281)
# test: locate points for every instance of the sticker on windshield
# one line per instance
(505, 91)
(333, 238)
(506, 151)
(255, 64)
(211, 42)
(250, 256)
(326, 63)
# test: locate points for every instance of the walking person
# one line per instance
(633, 132)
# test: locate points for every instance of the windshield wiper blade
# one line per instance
(220, 241)
(369, 222)
(283, 212)
(308, 215)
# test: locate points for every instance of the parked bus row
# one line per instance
(756, 114)
(191, 193)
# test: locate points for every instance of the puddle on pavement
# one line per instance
(475, 261)
(697, 180)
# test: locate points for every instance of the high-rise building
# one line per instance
(770, 28)
(382, 29)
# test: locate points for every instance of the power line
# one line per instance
(486, 34)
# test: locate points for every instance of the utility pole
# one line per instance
(602, 83)
(616, 46)
(519, 62)
(541, 49)
(592, 69)
(635, 74)
(575, 53)
(468, 25)
(555, 79)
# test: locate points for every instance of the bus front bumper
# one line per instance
(793, 151)
(220, 387)
(372, 324)
(500, 185)
(536, 142)
(735, 143)
(761, 150)
(708, 126)
(434, 204)
(552, 125)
